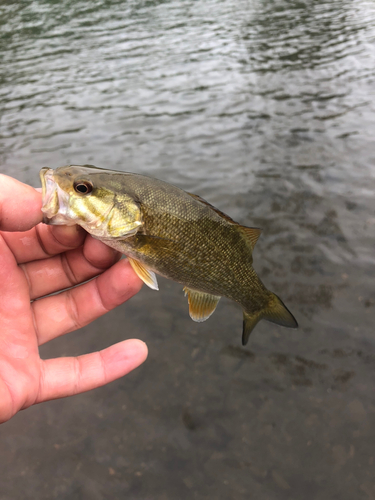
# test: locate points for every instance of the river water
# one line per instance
(267, 110)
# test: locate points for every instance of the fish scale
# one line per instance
(165, 230)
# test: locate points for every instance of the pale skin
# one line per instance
(36, 260)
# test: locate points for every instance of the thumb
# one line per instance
(20, 205)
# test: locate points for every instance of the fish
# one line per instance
(165, 230)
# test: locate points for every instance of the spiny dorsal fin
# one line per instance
(148, 277)
(201, 305)
(251, 234)
(219, 212)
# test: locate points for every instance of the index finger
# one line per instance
(20, 211)
(20, 205)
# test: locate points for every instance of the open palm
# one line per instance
(37, 260)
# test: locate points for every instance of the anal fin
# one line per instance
(201, 304)
(148, 277)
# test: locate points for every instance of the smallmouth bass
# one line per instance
(165, 230)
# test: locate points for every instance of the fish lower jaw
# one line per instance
(58, 220)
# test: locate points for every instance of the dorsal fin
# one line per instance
(219, 212)
(251, 234)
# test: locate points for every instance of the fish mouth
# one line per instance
(54, 201)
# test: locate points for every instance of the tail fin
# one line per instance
(275, 311)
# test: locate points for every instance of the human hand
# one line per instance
(37, 260)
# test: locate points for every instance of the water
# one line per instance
(266, 109)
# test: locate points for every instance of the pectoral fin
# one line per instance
(201, 305)
(148, 277)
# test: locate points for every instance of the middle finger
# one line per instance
(69, 268)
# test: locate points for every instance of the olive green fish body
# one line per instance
(165, 230)
(186, 240)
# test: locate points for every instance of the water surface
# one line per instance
(266, 109)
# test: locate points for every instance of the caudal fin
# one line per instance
(275, 311)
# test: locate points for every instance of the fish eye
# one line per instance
(83, 187)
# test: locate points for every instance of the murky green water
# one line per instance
(266, 109)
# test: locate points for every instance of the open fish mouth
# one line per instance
(55, 200)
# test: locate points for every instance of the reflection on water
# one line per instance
(265, 109)
(290, 35)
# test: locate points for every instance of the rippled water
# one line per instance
(267, 110)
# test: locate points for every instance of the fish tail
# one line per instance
(275, 311)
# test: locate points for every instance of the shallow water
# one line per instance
(266, 109)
